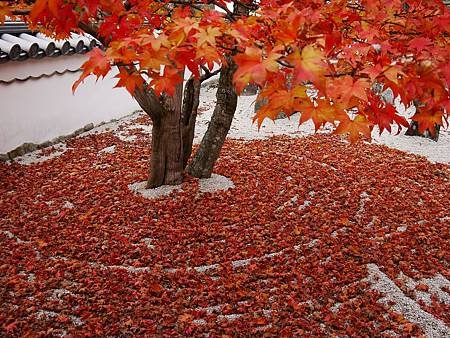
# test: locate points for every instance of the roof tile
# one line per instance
(18, 43)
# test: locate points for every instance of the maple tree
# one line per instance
(319, 58)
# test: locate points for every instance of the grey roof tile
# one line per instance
(18, 43)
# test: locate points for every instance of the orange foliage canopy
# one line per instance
(319, 58)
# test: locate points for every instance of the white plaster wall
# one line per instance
(40, 110)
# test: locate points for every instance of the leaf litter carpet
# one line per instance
(318, 237)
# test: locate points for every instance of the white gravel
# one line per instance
(431, 326)
(38, 157)
(243, 127)
(68, 205)
(435, 284)
(437, 152)
(113, 126)
(45, 314)
(59, 294)
(215, 183)
(108, 150)
(139, 188)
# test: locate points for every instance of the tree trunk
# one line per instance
(206, 156)
(189, 116)
(166, 162)
(172, 132)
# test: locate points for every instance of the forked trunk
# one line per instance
(172, 132)
(206, 156)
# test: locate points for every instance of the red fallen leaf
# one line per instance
(186, 317)
(344, 220)
(260, 321)
(422, 287)
(187, 234)
(41, 243)
(294, 304)
(407, 328)
(148, 325)
(252, 251)
(129, 322)
(10, 327)
(155, 287)
(63, 319)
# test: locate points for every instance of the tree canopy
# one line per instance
(320, 58)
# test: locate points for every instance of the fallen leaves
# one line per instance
(229, 263)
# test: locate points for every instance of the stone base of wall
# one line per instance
(30, 147)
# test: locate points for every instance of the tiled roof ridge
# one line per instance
(18, 43)
(31, 77)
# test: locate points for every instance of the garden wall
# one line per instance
(37, 104)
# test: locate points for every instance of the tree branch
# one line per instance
(146, 96)
(92, 30)
(208, 74)
(228, 13)
(21, 12)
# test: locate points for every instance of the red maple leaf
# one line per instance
(97, 64)
(319, 112)
(384, 114)
(167, 82)
(420, 43)
(253, 67)
(344, 88)
(359, 125)
(129, 80)
(428, 120)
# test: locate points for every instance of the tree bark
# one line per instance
(206, 156)
(166, 162)
(173, 131)
(189, 116)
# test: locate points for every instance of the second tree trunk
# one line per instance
(206, 156)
